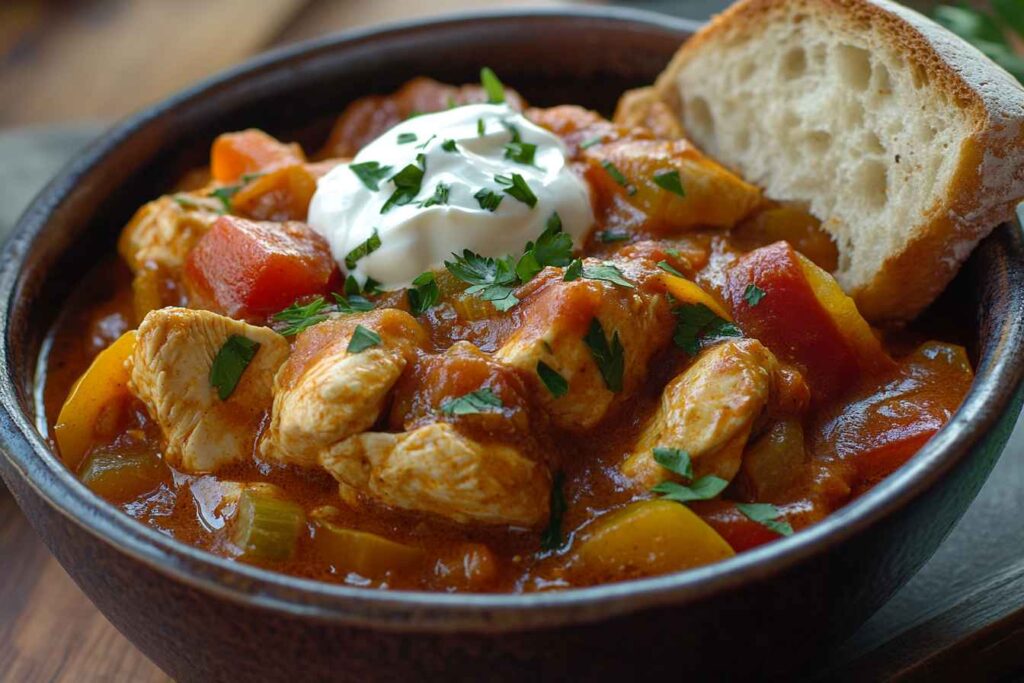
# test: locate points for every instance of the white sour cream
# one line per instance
(415, 238)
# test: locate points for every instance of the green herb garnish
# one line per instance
(298, 317)
(406, 138)
(667, 267)
(488, 199)
(555, 383)
(424, 293)
(423, 145)
(697, 325)
(230, 362)
(609, 356)
(480, 128)
(753, 294)
(587, 144)
(677, 461)
(449, 146)
(407, 184)
(224, 194)
(618, 177)
(551, 539)
(479, 401)
(521, 152)
(439, 197)
(362, 339)
(371, 245)
(492, 86)
(674, 460)
(370, 173)
(490, 279)
(612, 236)
(352, 303)
(574, 271)
(552, 248)
(606, 272)
(669, 180)
(517, 187)
(766, 515)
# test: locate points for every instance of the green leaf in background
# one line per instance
(988, 33)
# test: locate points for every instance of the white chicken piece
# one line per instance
(324, 394)
(437, 469)
(170, 374)
(162, 232)
(555, 326)
(708, 411)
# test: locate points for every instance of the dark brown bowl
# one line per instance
(204, 618)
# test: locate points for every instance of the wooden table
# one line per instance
(101, 59)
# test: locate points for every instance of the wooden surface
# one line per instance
(101, 59)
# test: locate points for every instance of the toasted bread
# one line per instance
(905, 140)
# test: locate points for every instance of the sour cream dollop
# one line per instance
(421, 235)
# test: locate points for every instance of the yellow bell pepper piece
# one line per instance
(361, 552)
(689, 292)
(648, 538)
(105, 381)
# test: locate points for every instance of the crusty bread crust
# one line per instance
(988, 181)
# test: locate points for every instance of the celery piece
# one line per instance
(267, 527)
(361, 552)
(120, 477)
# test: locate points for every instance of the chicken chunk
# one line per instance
(437, 469)
(324, 394)
(170, 373)
(557, 323)
(709, 411)
(162, 233)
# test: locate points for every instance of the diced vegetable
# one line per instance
(250, 151)
(123, 476)
(688, 292)
(267, 527)
(774, 462)
(646, 539)
(738, 530)
(248, 269)
(366, 554)
(100, 389)
(805, 318)
(280, 195)
(791, 224)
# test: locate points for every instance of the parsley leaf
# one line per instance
(479, 401)
(766, 515)
(667, 267)
(488, 199)
(370, 173)
(517, 187)
(439, 197)
(704, 488)
(298, 317)
(551, 539)
(753, 294)
(492, 86)
(675, 460)
(224, 194)
(607, 272)
(480, 128)
(406, 138)
(612, 236)
(587, 144)
(449, 146)
(371, 245)
(669, 180)
(230, 362)
(423, 145)
(491, 279)
(608, 356)
(618, 177)
(353, 303)
(362, 339)
(697, 325)
(556, 384)
(574, 271)
(552, 248)
(424, 293)
(521, 152)
(407, 184)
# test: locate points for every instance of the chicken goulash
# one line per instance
(471, 345)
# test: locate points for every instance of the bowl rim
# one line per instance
(37, 466)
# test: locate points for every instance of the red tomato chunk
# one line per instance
(250, 269)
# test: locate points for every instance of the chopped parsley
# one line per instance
(521, 152)
(371, 245)
(674, 460)
(697, 325)
(668, 268)
(449, 146)
(517, 187)
(766, 515)
(353, 303)
(406, 138)
(490, 279)
(352, 286)
(423, 145)
(439, 197)
(574, 271)
(753, 294)
(407, 184)
(492, 86)
(607, 272)
(230, 362)
(608, 356)
(298, 317)
(551, 539)
(362, 339)
(224, 195)
(480, 127)
(612, 236)
(370, 173)
(670, 181)
(479, 401)
(678, 462)
(488, 199)
(587, 144)
(552, 248)
(424, 293)
(556, 384)
(618, 177)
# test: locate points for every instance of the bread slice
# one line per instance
(905, 140)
